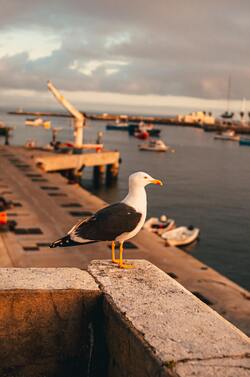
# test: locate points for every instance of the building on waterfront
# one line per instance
(200, 117)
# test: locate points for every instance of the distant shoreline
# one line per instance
(163, 120)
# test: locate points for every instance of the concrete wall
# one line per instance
(47, 321)
(155, 327)
(110, 322)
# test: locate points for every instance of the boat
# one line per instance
(136, 127)
(47, 125)
(154, 146)
(181, 236)
(159, 225)
(116, 127)
(120, 125)
(228, 135)
(143, 135)
(37, 122)
(227, 115)
(244, 141)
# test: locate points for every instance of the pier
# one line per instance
(45, 207)
(50, 162)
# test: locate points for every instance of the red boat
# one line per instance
(142, 135)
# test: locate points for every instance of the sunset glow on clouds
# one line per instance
(166, 54)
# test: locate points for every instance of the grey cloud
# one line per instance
(176, 47)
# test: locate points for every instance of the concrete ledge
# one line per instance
(117, 323)
(46, 279)
(155, 327)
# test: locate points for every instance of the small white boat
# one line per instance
(38, 122)
(154, 146)
(159, 225)
(227, 135)
(181, 236)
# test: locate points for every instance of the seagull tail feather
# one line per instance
(67, 241)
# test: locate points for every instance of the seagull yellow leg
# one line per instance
(113, 253)
(121, 264)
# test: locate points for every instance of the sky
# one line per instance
(141, 56)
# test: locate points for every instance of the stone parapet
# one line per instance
(155, 327)
(111, 322)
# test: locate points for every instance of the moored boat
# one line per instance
(228, 135)
(159, 225)
(37, 122)
(245, 141)
(143, 135)
(136, 127)
(154, 146)
(119, 125)
(181, 236)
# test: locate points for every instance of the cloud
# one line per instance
(37, 44)
(184, 48)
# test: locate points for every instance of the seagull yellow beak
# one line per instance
(156, 182)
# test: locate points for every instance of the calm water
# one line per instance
(207, 184)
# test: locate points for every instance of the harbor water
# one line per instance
(206, 184)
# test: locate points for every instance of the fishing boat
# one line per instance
(143, 135)
(228, 135)
(245, 141)
(181, 236)
(136, 127)
(159, 225)
(119, 125)
(37, 122)
(154, 146)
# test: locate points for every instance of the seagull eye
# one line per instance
(145, 177)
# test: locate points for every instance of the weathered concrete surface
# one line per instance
(5, 260)
(46, 278)
(155, 327)
(47, 322)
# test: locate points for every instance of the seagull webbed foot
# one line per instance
(116, 261)
(126, 266)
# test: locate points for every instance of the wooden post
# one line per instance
(7, 136)
(98, 175)
(112, 173)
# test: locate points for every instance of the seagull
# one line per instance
(117, 222)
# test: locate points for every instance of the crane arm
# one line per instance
(63, 101)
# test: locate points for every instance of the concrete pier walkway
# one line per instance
(46, 207)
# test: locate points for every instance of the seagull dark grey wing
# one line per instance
(107, 224)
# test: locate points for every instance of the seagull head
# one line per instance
(142, 179)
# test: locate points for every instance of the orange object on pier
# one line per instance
(3, 218)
